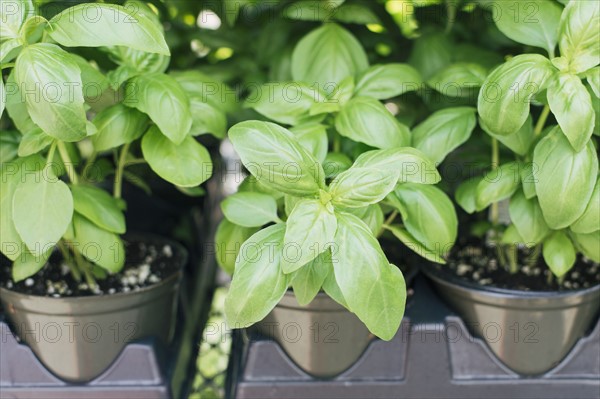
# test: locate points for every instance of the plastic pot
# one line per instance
(528, 331)
(77, 338)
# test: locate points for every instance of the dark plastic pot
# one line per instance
(78, 338)
(530, 332)
(322, 338)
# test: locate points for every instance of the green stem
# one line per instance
(550, 277)
(89, 164)
(69, 166)
(9, 65)
(118, 187)
(337, 143)
(539, 126)
(68, 260)
(51, 153)
(534, 256)
(84, 266)
(512, 259)
(494, 210)
(387, 222)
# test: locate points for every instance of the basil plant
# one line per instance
(70, 119)
(551, 182)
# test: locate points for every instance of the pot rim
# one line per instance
(137, 236)
(450, 279)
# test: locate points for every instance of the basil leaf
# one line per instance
(9, 144)
(309, 230)
(95, 25)
(258, 283)
(59, 112)
(565, 180)
(519, 142)
(331, 287)
(102, 247)
(208, 89)
(250, 209)
(286, 102)
(326, 56)
(414, 245)
(186, 165)
(386, 81)
(2, 97)
(526, 216)
(99, 207)
(335, 163)
(308, 10)
(589, 221)
(498, 184)
(33, 142)
(559, 253)
(515, 20)
(424, 207)
(16, 107)
(578, 42)
(372, 215)
(309, 279)
(11, 175)
(373, 289)
(504, 98)
(313, 137)
(444, 131)
(276, 160)
(593, 78)
(165, 102)
(9, 50)
(457, 80)
(12, 15)
(359, 187)
(466, 194)
(413, 165)
(42, 210)
(432, 52)
(228, 239)
(207, 119)
(356, 14)
(366, 120)
(571, 104)
(589, 244)
(118, 125)
(139, 61)
(28, 264)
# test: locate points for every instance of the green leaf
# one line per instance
(578, 42)
(498, 184)
(165, 102)
(413, 165)
(16, 106)
(95, 25)
(101, 247)
(589, 221)
(519, 142)
(326, 56)
(373, 289)
(356, 14)
(533, 22)
(258, 283)
(32, 29)
(9, 50)
(9, 144)
(308, 10)
(274, 157)
(12, 15)
(118, 125)
(366, 120)
(33, 142)
(313, 137)
(358, 187)
(42, 210)
(27, 264)
(342, 93)
(528, 178)
(285, 102)
(426, 206)
(207, 119)
(309, 279)
(336, 163)
(432, 52)
(372, 215)
(229, 238)
(559, 253)
(589, 244)
(466, 194)
(593, 78)
(250, 209)
(207, 89)
(444, 131)
(565, 180)
(457, 80)
(54, 96)
(414, 245)
(386, 81)
(526, 216)
(571, 104)
(511, 236)
(99, 207)
(331, 287)
(310, 229)
(504, 98)
(139, 62)
(2, 97)
(187, 164)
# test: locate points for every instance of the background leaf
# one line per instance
(250, 209)
(386, 81)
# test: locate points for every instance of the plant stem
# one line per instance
(51, 153)
(534, 256)
(337, 143)
(387, 222)
(84, 266)
(89, 164)
(550, 276)
(118, 186)
(494, 210)
(512, 259)
(68, 260)
(9, 65)
(69, 166)
(539, 126)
